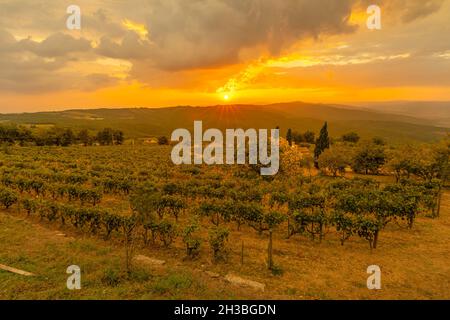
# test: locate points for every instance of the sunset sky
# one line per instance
(151, 53)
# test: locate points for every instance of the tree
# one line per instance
(24, 135)
(431, 196)
(308, 163)
(129, 229)
(67, 138)
(46, 138)
(431, 162)
(118, 137)
(334, 160)
(309, 137)
(362, 212)
(105, 137)
(111, 222)
(30, 205)
(239, 211)
(8, 197)
(145, 202)
(215, 210)
(369, 158)
(167, 232)
(84, 137)
(368, 229)
(290, 159)
(191, 240)
(442, 155)
(401, 162)
(378, 141)
(162, 140)
(297, 137)
(322, 143)
(272, 219)
(109, 136)
(173, 204)
(217, 238)
(289, 136)
(309, 213)
(344, 224)
(351, 137)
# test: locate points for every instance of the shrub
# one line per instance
(162, 140)
(30, 205)
(111, 222)
(344, 224)
(351, 137)
(49, 210)
(217, 239)
(191, 241)
(334, 160)
(8, 197)
(167, 232)
(369, 158)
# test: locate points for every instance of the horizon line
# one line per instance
(343, 104)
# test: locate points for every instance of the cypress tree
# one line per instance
(289, 136)
(322, 143)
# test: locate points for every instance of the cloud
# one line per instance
(30, 67)
(200, 34)
(187, 42)
(7, 41)
(387, 71)
(416, 10)
(130, 47)
(407, 11)
(56, 45)
(31, 14)
(104, 23)
(209, 33)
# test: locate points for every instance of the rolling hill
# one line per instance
(144, 122)
(436, 111)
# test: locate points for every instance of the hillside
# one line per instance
(143, 122)
(45, 232)
(436, 111)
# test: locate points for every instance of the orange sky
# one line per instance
(148, 53)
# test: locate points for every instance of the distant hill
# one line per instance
(438, 112)
(144, 122)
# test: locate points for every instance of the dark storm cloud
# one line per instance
(204, 33)
(182, 34)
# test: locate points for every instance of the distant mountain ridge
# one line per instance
(144, 122)
(437, 111)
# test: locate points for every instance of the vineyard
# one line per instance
(223, 218)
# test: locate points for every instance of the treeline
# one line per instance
(58, 136)
(308, 137)
(427, 162)
(299, 138)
